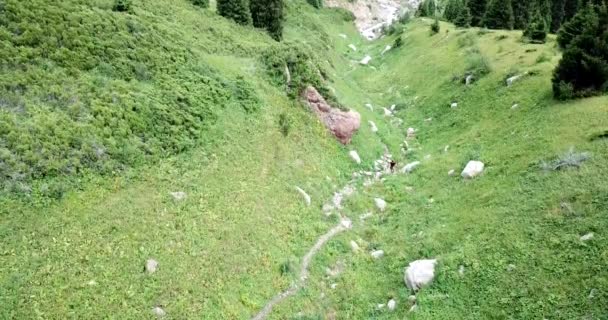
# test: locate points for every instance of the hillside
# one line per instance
(107, 117)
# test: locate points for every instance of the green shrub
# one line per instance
(435, 27)
(536, 30)
(122, 5)
(499, 15)
(398, 42)
(316, 3)
(284, 124)
(269, 15)
(237, 10)
(201, 3)
(477, 64)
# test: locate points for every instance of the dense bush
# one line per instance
(536, 30)
(122, 5)
(583, 69)
(269, 15)
(435, 27)
(463, 15)
(586, 18)
(201, 3)
(111, 95)
(499, 15)
(316, 3)
(427, 8)
(237, 10)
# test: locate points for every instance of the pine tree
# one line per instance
(478, 10)
(536, 30)
(316, 3)
(427, 8)
(544, 6)
(585, 19)
(521, 13)
(570, 9)
(499, 15)
(201, 3)
(269, 15)
(463, 15)
(583, 70)
(451, 10)
(558, 12)
(237, 10)
(435, 27)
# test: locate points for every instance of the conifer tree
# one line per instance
(451, 10)
(585, 19)
(544, 7)
(237, 10)
(478, 10)
(499, 15)
(583, 70)
(558, 12)
(463, 15)
(536, 30)
(521, 13)
(201, 3)
(269, 15)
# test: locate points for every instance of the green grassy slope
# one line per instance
(221, 250)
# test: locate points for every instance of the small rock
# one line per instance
(328, 208)
(461, 270)
(451, 173)
(381, 305)
(386, 49)
(365, 216)
(411, 299)
(178, 196)
(420, 273)
(304, 195)
(380, 204)
(409, 189)
(151, 266)
(369, 106)
(413, 308)
(428, 119)
(346, 223)
(411, 132)
(587, 237)
(473, 169)
(342, 35)
(511, 267)
(159, 312)
(515, 106)
(377, 254)
(393, 107)
(365, 60)
(373, 126)
(410, 167)
(352, 47)
(355, 156)
(454, 105)
(446, 149)
(592, 294)
(354, 246)
(469, 80)
(92, 283)
(427, 157)
(513, 79)
(333, 286)
(391, 305)
(387, 112)
(431, 200)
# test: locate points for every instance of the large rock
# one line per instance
(342, 124)
(419, 274)
(473, 169)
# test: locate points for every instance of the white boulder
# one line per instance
(178, 195)
(373, 126)
(352, 47)
(386, 49)
(377, 254)
(391, 305)
(454, 105)
(473, 169)
(410, 167)
(151, 266)
(587, 237)
(355, 156)
(365, 60)
(380, 204)
(419, 273)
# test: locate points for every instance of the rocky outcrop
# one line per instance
(342, 124)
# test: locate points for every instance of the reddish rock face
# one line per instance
(343, 125)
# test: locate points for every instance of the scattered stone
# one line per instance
(304, 195)
(592, 294)
(428, 119)
(92, 283)
(365, 216)
(151, 266)
(410, 167)
(451, 173)
(377, 254)
(587, 237)
(411, 299)
(391, 305)
(420, 273)
(409, 189)
(346, 223)
(393, 107)
(427, 157)
(387, 112)
(431, 200)
(380, 204)
(327, 209)
(369, 106)
(352, 47)
(386, 49)
(178, 196)
(365, 60)
(373, 126)
(354, 246)
(469, 80)
(513, 79)
(515, 106)
(342, 124)
(342, 35)
(454, 105)
(413, 308)
(461, 270)
(473, 169)
(446, 149)
(411, 132)
(159, 312)
(355, 156)
(381, 305)
(336, 270)
(511, 267)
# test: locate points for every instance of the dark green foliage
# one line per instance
(201, 3)
(435, 27)
(122, 5)
(537, 29)
(237, 10)
(478, 10)
(521, 13)
(463, 15)
(100, 101)
(427, 8)
(545, 10)
(558, 12)
(499, 15)
(398, 42)
(269, 15)
(284, 124)
(316, 3)
(304, 70)
(586, 18)
(451, 10)
(583, 70)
